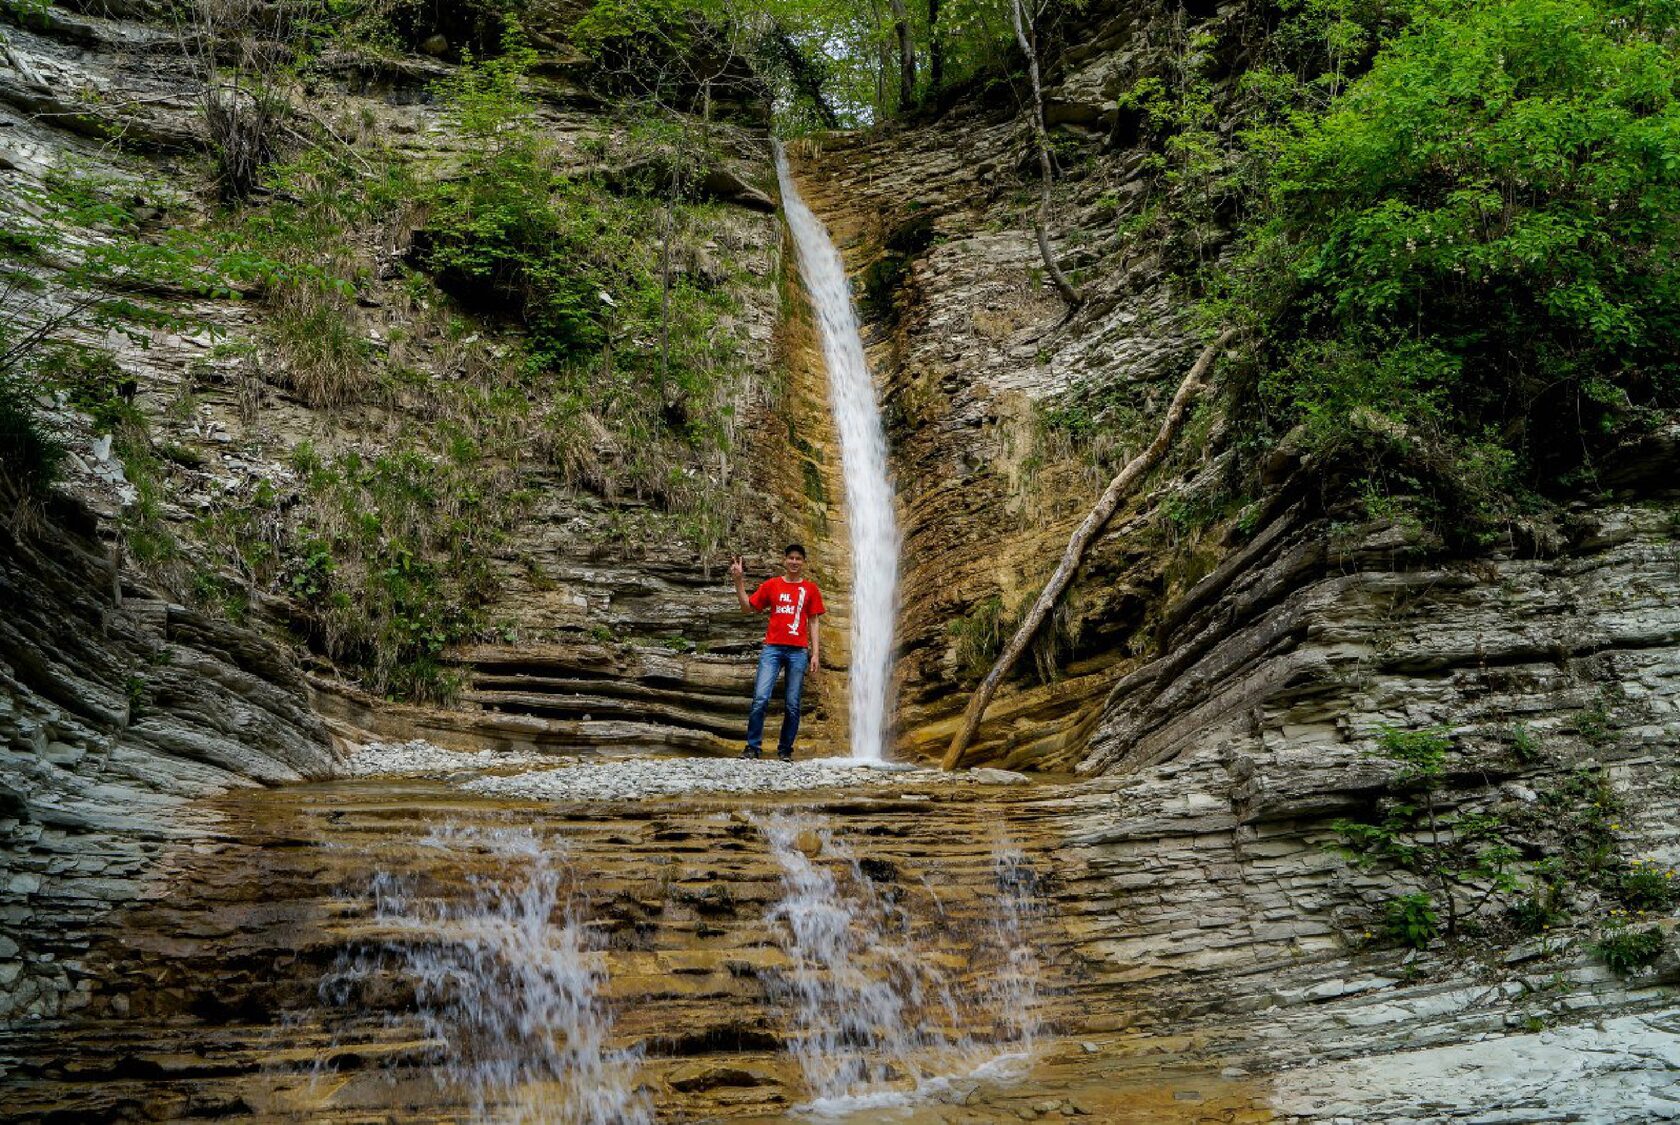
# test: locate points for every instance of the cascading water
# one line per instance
(1014, 988)
(877, 1021)
(506, 981)
(863, 454)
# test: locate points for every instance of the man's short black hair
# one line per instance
(795, 549)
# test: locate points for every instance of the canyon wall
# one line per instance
(118, 710)
(1225, 691)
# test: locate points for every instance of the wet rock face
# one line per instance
(968, 348)
(115, 713)
(1227, 693)
(334, 954)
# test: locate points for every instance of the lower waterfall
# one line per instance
(506, 983)
(877, 1018)
(889, 985)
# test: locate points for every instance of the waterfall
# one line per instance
(505, 979)
(876, 1021)
(1013, 989)
(863, 455)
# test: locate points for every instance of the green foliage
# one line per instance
(1525, 744)
(1422, 754)
(1646, 885)
(392, 27)
(393, 565)
(136, 692)
(977, 638)
(96, 384)
(824, 63)
(1176, 113)
(1411, 920)
(1627, 949)
(296, 254)
(642, 37)
(1547, 903)
(1593, 723)
(1466, 260)
(1463, 852)
(31, 453)
(1582, 808)
(509, 228)
(611, 323)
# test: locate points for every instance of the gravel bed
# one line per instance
(629, 779)
(419, 758)
(624, 779)
(620, 779)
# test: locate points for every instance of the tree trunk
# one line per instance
(665, 230)
(1081, 541)
(906, 57)
(1026, 36)
(936, 50)
(882, 60)
(806, 78)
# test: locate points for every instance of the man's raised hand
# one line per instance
(737, 567)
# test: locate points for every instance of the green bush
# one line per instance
(1626, 949)
(499, 232)
(1646, 885)
(583, 269)
(1411, 920)
(31, 455)
(1464, 263)
(1422, 754)
(392, 565)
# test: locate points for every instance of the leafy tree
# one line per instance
(1467, 258)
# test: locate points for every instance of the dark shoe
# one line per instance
(750, 753)
(787, 757)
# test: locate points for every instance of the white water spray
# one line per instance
(876, 1020)
(507, 981)
(863, 455)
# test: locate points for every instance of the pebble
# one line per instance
(628, 779)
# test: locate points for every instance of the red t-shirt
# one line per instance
(791, 606)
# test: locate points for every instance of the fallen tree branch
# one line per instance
(1081, 541)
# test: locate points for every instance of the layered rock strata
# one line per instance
(117, 711)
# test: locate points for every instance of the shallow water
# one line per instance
(400, 950)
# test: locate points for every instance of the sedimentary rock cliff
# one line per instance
(142, 673)
(118, 710)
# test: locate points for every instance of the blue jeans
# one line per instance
(795, 659)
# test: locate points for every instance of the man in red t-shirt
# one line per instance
(792, 643)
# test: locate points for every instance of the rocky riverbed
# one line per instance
(341, 949)
(305, 957)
